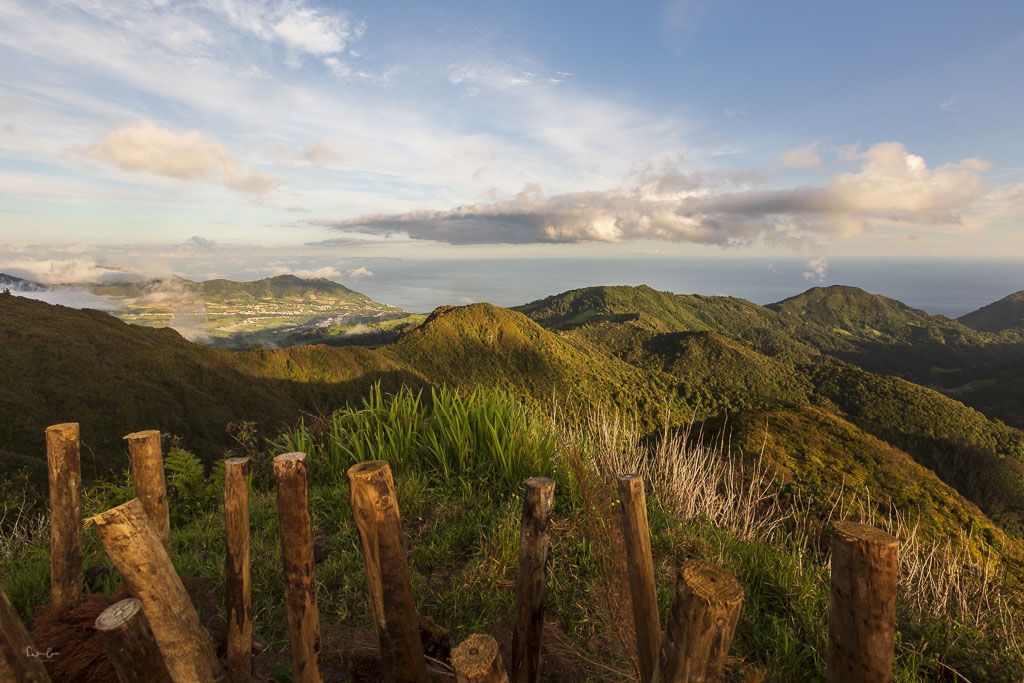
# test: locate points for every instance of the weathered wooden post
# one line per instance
(146, 464)
(130, 645)
(139, 555)
(862, 612)
(477, 659)
(17, 662)
(65, 478)
(297, 555)
(375, 507)
(531, 580)
(237, 587)
(640, 567)
(705, 611)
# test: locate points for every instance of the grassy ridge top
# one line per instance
(60, 364)
(278, 287)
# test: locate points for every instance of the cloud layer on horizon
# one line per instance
(891, 188)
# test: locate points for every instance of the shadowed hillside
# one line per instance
(59, 364)
(1005, 314)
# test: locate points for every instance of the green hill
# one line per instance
(1005, 314)
(841, 441)
(278, 311)
(59, 364)
(980, 457)
(481, 344)
(726, 371)
(817, 455)
(646, 308)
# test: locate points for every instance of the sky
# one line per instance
(243, 136)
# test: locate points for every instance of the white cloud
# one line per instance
(491, 75)
(951, 103)
(802, 157)
(200, 242)
(891, 188)
(322, 273)
(65, 271)
(817, 269)
(294, 24)
(188, 155)
(320, 154)
(359, 273)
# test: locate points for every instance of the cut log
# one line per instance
(477, 659)
(130, 645)
(640, 568)
(297, 556)
(705, 611)
(375, 507)
(19, 660)
(237, 579)
(862, 613)
(146, 463)
(65, 478)
(140, 557)
(531, 579)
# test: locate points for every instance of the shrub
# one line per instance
(480, 441)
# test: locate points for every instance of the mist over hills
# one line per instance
(278, 311)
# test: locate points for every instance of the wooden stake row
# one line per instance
(707, 602)
(162, 621)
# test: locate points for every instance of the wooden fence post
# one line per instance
(140, 557)
(640, 567)
(862, 612)
(375, 507)
(297, 555)
(17, 662)
(531, 580)
(129, 643)
(146, 464)
(477, 659)
(65, 478)
(237, 589)
(705, 611)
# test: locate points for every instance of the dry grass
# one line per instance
(19, 526)
(693, 479)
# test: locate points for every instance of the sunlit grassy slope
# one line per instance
(459, 459)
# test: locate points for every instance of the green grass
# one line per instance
(459, 459)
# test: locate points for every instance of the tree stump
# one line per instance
(531, 579)
(130, 645)
(65, 478)
(477, 659)
(862, 614)
(297, 556)
(640, 568)
(237, 577)
(146, 464)
(140, 557)
(705, 611)
(375, 507)
(18, 660)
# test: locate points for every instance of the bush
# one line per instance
(479, 441)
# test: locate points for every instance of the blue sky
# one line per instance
(354, 130)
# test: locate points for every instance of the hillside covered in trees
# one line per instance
(827, 395)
